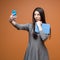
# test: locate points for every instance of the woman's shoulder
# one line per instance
(30, 25)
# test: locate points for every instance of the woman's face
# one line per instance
(37, 16)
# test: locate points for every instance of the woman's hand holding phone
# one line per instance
(13, 17)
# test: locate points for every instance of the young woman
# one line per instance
(36, 49)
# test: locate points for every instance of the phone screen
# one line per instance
(14, 12)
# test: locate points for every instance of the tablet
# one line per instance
(46, 28)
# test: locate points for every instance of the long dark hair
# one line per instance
(41, 12)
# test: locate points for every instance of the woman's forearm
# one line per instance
(13, 23)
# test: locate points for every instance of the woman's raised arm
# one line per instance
(12, 20)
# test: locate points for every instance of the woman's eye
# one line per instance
(38, 14)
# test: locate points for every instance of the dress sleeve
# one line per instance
(43, 35)
(22, 26)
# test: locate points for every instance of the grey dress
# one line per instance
(36, 49)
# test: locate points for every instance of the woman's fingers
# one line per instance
(12, 18)
(39, 22)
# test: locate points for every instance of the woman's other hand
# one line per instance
(39, 23)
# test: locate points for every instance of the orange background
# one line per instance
(13, 42)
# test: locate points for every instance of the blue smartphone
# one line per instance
(14, 12)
